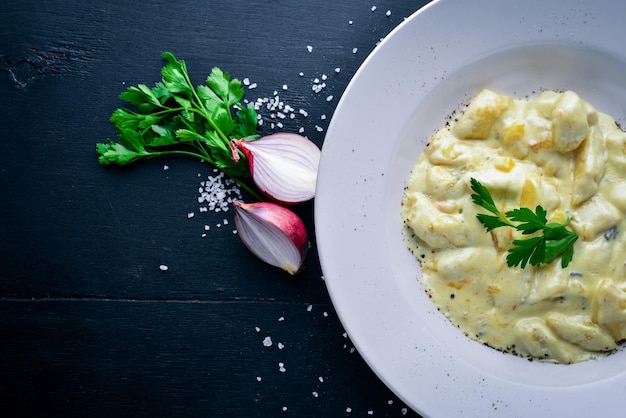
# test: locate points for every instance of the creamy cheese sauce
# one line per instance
(556, 151)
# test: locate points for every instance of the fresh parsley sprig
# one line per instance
(174, 117)
(556, 240)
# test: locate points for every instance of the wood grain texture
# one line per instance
(90, 326)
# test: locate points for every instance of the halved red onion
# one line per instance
(273, 233)
(283, 165)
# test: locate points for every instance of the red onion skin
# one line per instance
(241, 146)
(283, 218)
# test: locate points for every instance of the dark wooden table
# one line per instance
(90, 324)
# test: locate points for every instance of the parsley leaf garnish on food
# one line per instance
(555, 241)
(174, 117)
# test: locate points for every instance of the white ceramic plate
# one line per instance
(426, 68)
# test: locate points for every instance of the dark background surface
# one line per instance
(89, 323)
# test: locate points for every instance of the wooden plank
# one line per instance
(190, 358)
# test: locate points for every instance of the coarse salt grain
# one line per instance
(280, 346)
(315, 394)
(246, 81)
(281, 367)
(309, 308)
(329, 98)
(321, 379)
(388, 13)
(166, 167)
(258, 378)
(163, 267)
(267, 341)
(404, 411)
(282, 318)
(309, 48)
(337, 70)
(348, 409)
(354, 50)
(257, 329)
(370, 412)
(284, 408)
(373, 8)
(252, 86)
(190, 215)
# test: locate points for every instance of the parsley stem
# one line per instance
(204, 112)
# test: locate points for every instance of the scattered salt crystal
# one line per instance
(163, 267)
(301, 130)
(370, 412)
(203, 235)
(257, 329)
(345, 335)
(350, 22)
(284, 408)
(348, 409)
(329, 98)
(267, 342)
(258, 378)
(323, 117)
(285, 87)
(309, 48)
(282, 318)
(354, 50)
(252, 86)
(388, 13)
(373, 8)
(280, 125)
(351, 350)
(321, 379)
(207, 227)
(337, 70)
(301, 74)
(246, 81)
(190, 215)
(390, 402)
(281, 367)
(280, 346)
(324, 77)
(319, 128)
(325, 314)
(315, 394)
(225, 221)
(404, 411)
(309, 308)
(303, 112)
(234, 232)
(166, 167)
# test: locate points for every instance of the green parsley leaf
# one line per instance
(554, 242)
(174, 117)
